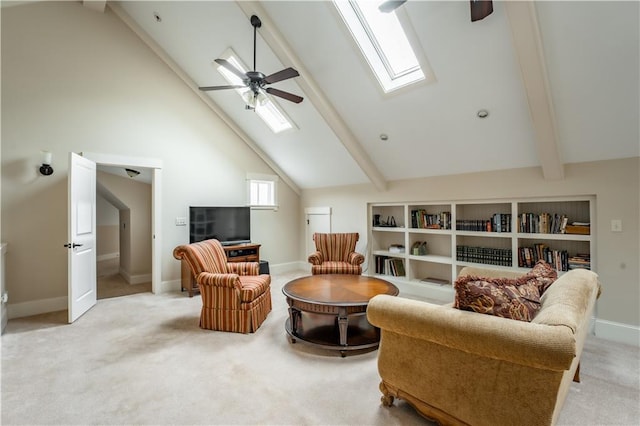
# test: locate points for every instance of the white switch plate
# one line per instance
(616, 225)
(181, 221)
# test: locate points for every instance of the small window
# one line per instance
(262, 190)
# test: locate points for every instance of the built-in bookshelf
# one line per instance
(425, 245)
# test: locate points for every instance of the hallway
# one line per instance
(112, 284)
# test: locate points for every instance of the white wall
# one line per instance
(616, 185)
(78, 80)
(107, 226)
(137, 225)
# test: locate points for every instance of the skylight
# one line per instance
(383, 42)
(267, 110)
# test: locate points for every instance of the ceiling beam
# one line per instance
(97, 5)
(529, 51)
(155, 47)
(314, 93)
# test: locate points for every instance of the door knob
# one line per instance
(72, 245)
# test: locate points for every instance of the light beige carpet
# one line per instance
(115, 286)
(142, 359)
(111, 284)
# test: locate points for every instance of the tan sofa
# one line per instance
(461, 367)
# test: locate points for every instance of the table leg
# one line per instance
(294, 318)
(343, 322)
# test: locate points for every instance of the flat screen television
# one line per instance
(229, 225)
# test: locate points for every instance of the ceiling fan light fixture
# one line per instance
(261, 98)
(254, 80)
(249, 99)
(253, 99)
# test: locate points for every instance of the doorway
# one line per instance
(318, 219)
(123, 231)
(154, 169)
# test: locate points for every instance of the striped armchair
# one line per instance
(335, 254)
(234, 297)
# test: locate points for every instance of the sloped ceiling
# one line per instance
(560, 81)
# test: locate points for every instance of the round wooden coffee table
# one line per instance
(329, 311)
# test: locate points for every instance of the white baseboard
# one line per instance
(4, 316)
(281, 268)
(609, 330)
(107, 256)
(170, 286)
(135, 279)
(36, 307)
(618, 332)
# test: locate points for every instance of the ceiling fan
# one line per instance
(255, 80)
(480, 9)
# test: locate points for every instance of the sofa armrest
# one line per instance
(355, 258)
(243, 268)
(316, 258)
(536, 345)
(219, 280)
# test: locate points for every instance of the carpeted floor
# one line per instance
(115, 286)
(111, 284)
(142, 359)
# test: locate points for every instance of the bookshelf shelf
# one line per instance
(565, 237)
(429, 231)
(488, 230)
(432, 258)
(388, 229)
(389, 254)
(462, 264)
(485, 234)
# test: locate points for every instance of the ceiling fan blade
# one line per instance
(281, 75)
(207, 88)
(480, 9)
(284, 95)
(236, 71)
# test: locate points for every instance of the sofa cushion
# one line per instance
(517, 298)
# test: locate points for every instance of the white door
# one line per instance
(318, 220)
(82, 236)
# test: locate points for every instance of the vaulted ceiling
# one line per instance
(560, 81)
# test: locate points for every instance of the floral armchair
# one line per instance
(234, 296)
(335, 254)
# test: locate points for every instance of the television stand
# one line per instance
(245, 252)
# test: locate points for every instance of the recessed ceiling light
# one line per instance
(483, 113)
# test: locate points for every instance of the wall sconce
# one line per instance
(45, 168)
(132, 173)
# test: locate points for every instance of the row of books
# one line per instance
(580, 261)
(487, 255)
(543, 223)
(499, 222)
(559, 259)
(390, 266)
(421, 219)
(528, 256)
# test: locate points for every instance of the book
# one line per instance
(433, 280)
(578, 229)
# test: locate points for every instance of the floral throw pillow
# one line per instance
(517, 299)
(544, 275)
